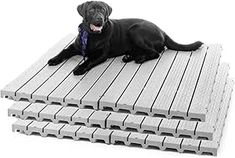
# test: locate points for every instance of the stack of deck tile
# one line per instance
(178, 102)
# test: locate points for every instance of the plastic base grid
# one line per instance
(181, 91)
(144, 124)
(110, 136)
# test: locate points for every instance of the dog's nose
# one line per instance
(98, 20)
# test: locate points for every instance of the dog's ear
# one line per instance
(108, 9)
(82, 8)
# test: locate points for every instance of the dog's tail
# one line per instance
(169, 43)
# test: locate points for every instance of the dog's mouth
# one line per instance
(96, 28)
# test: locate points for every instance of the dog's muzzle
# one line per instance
(96, 24)
(95, 28)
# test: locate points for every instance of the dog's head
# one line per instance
(95, 15)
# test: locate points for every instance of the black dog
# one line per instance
(101, 38)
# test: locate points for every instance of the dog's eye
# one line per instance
(91, 10)
(103, 10)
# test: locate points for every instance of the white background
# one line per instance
(29, 28)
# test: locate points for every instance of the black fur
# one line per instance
(137, 39)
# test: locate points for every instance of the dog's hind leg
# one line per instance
(145, 54)
(141, 58)
(146, 41)
(145, 50)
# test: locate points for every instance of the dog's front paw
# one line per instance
(127, 58)
(140, 59)
(79, 70)
(54, 61)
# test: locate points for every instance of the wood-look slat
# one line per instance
(71, 81)
(170, 143)
(190, 145)
(150, 91)
(217, 94)
(168, 126)
(215, 101)
(28, 89)
(212, 145)
(186, 128)
(184, 94)
(55, 80)
(131, 93)
(170, 86)
(118, 86)
(205, 84)
(57, 96)
(75, 96)
(96, 92)
(223, 112)
(33, 110)
(10, 89)
(18, 108)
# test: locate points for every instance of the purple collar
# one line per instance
(83, 35)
